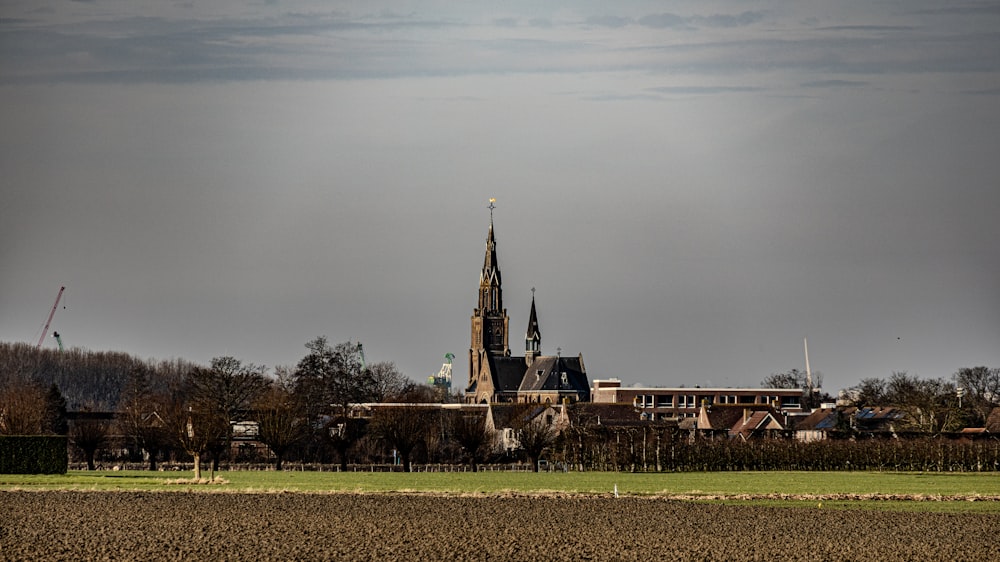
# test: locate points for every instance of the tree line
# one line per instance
(181, 410)
(167, 407)
(932, 405)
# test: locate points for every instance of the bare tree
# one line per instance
(281, 424)
(328, 380)
(387, 382)
(870, 392)
(981, 389)
(140, 415)
(470, 432)
(403, 428)
(931, 404)
(795, 378)
(225, 391)
(191, 430)
(22, 407)
(89, 433)
(535, 433)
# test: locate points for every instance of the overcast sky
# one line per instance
(691, 187)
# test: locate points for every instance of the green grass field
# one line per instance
(697, 486)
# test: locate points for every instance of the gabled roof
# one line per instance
(868, 418)
(755, 422)
(609, 414)
(821, 418)
(507, 372)
(513, 415)
(546, 373)
(728, 416)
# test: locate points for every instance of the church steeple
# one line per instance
(490, 291)
(533, 337)
(489, 320)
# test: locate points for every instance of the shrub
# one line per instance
(33, 454)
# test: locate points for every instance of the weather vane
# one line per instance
(492, 206)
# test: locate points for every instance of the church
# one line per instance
(497, 376)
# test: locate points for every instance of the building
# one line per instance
(681, 402)
(495, 375)
(850, 421)
(744, 421)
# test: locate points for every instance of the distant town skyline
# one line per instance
(692, 188)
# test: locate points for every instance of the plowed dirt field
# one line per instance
(295, 526)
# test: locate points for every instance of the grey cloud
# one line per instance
(986, 92)
(304, 46)
(727, 20)
(146, 49)
(608, 21)
(674, 21)
(703, 89)
(663, 21)
(833, 84)
(620, 97)
(866, 28)
(966, 9)
(505, 22)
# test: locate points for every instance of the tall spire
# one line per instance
(533, 332)
(490, 296)
(533, 337)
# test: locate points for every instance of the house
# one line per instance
(842, 421)
(747, 421)
(507, 421)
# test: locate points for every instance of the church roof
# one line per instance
(546, 373)
(507, 372)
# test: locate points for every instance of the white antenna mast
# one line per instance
(809, 377)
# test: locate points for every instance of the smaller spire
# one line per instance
(533, 332)
(533, 337)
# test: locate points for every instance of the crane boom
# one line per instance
(45, 331)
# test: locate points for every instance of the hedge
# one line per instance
(33, 454)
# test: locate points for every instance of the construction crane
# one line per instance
(443, 378)
(58, 340)
(45, 331)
